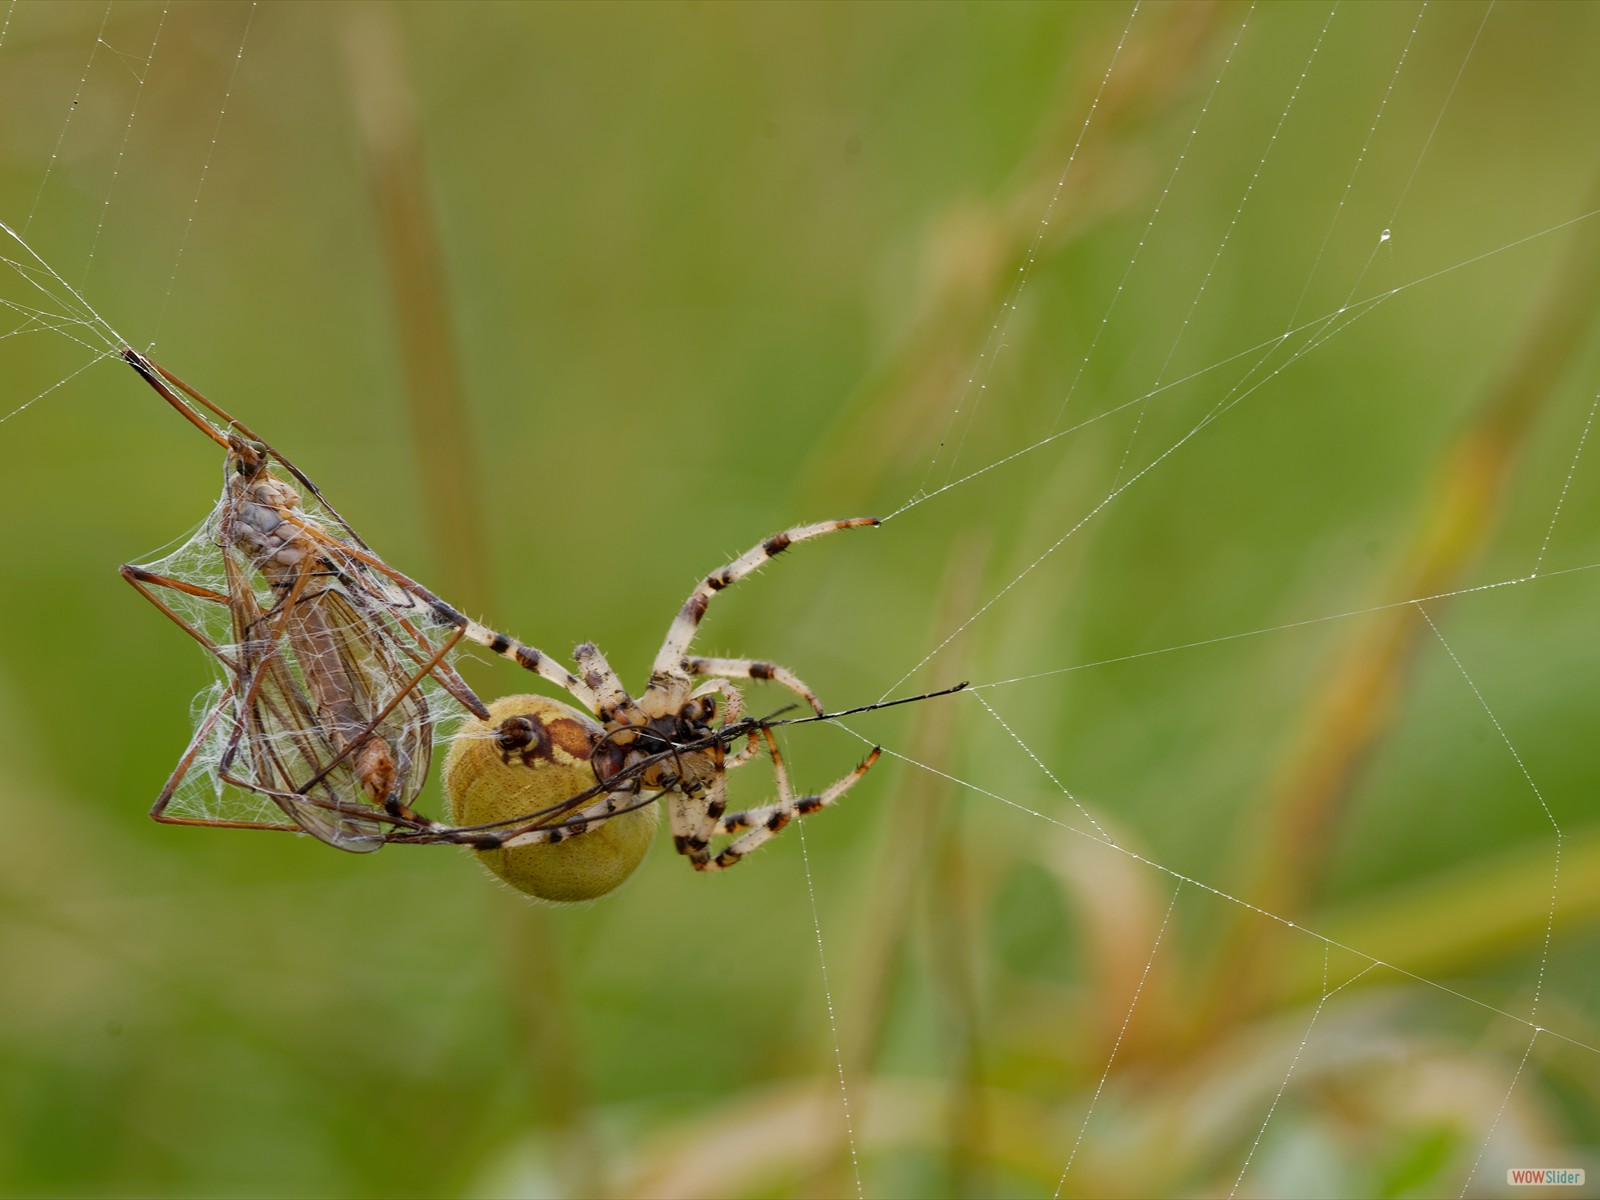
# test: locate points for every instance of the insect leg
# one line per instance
(144, 581)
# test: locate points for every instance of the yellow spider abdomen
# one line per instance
(485, 782)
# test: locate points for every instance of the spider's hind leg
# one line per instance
(757, 826)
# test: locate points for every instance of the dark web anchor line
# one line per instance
(770, 723)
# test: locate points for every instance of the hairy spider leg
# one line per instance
(749, 668)
(671, 664)
(756, 826)
(611, 699)
(695, 811)
(732, 714)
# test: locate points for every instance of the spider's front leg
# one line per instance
(673, 655)
(690, 818)
(749, 668)
(611, 699)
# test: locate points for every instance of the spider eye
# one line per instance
(249, 458)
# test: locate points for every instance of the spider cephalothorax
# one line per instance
(670, 751)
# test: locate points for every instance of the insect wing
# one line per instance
(371, 661)
(277, 744)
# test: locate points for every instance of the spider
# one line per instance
(665, 744)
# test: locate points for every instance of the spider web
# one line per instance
(1233, 445)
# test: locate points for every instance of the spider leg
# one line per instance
(528, 658)
(758, 825)
(610, 697)
(693, 819)
(670, 660)
(732, 714)
(590, 817)
(697, 807)
(748, 668)
(696, 802)
(401, 593)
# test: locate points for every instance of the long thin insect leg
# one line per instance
(143, 580)
(374, 609)
(152, 375)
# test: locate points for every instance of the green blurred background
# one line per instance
(692, 273)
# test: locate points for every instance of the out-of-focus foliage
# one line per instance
(708, 271)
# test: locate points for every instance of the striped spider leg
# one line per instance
(758, 825)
